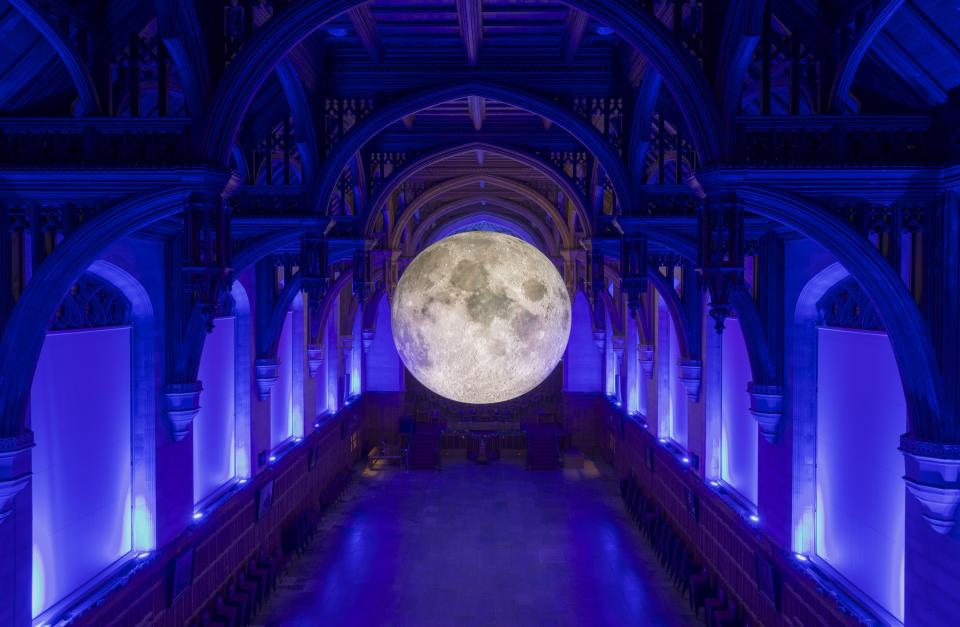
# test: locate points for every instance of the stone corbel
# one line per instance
(933, 478)
(314, 358)
(182, 406)
(600, 340)
(646, 359)
(618, 348)
(14, 470)
(267, 372)
(690, 377)
(366, 336)
(766, 407)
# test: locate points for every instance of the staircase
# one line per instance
(424, 451)
(543, 451)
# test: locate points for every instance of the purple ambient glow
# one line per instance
(80, 411)
(738, 430)
(861, 413)
(281, 395)
(214, 426)
(582, 365)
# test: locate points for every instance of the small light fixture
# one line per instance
(685, 460)
(272, 458)
(197, 515)
(337, 31)
(801, 557)
(143, 555)
(663, 440)
(316, 425)
(715, 484)
(241, 481)
(604, 30)
(298, 439)
(754, 518)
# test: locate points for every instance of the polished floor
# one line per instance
(478, 545)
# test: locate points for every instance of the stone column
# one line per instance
(16, 529)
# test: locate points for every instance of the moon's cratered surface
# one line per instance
(480, 317)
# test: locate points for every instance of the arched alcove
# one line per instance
(382, 367)
(738, 428)
(94, 495)
(583, 361)
(849, 410)
(214, 427)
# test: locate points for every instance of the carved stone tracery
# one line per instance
(92, 303)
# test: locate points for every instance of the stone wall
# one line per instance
(720, 536)
(227, 537)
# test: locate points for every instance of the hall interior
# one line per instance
(215, 409)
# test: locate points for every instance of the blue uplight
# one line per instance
(337, 31)
(197, 515)
(604, 30)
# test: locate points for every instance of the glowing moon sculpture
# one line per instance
(481, 317)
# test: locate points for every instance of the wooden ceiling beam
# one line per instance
(574, 31)
(365, 25)
(478, 111)
(470, 16)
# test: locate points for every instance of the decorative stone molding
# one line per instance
(346, 345)
(14, 470)
(646, 359)
(847, 306)
(600, 339)
(933, 478)
(618, 348)
(91, 302)
(690, 377)
(766, 407)
(267, 372)
(182, 406)
(9, 489)
(367, 338)
(314, 358)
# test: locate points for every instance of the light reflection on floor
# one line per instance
(478, 545)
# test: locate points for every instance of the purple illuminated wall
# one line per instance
(738, 429)
(382, 365)
(860, 493)
(633, 384)
(355, 367)
(678, 394)
(214, 427)
(281, 396)
(80, 409)
(332, 359)
(609, 359)
(583, 370)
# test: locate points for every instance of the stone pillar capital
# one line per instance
(314, 358)
(690, 376)
(267, 373)
(15, 469)
(182, 402)
(933, 478)
(766, 407)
